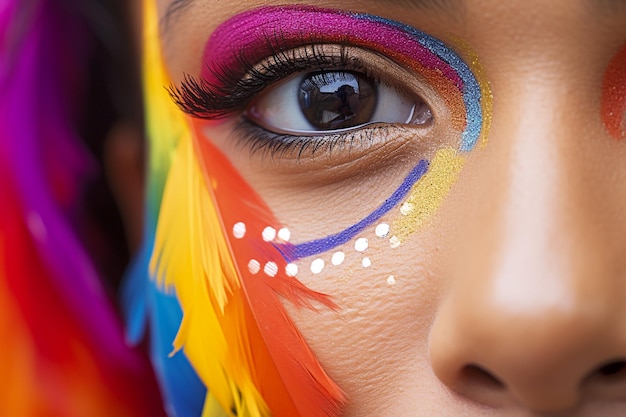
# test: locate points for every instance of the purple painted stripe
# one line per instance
(314, 247)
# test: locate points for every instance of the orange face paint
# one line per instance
(614, 96)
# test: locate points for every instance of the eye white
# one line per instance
(279, 111)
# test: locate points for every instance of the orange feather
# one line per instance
(289, 377)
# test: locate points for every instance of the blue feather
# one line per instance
(145, 305)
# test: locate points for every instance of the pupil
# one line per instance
(337, 99)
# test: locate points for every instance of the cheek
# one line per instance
(382, 279)
(377, 339)
(387, 284)
(614, 96)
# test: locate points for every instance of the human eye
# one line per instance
(309, 89)
(351, 95)
(317, 97)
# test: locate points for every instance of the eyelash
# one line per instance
(280, 145)
(233, 92)
(235, 89)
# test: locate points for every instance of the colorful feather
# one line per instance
(145, 303)
(234, 329)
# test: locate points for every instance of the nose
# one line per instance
(535, 312)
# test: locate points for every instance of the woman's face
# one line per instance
(498, 286)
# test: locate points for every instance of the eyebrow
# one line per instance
(175, 8)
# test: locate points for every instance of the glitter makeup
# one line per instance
(429, 193)
(257, 34)
(614, 96)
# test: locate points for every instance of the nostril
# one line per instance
(612, 369)
(478, 376)
(608, 380)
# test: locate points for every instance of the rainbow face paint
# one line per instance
(614, 96)
(258, 34)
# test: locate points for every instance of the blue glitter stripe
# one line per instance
(314, 247)
(471, 88)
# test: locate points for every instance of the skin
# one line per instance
(510, 300)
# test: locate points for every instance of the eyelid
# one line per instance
(346, 57)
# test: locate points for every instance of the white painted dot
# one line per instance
(367, 262)
(394, 241)
(239, 230)
(338, 258)
(317, 266)
(361, 244)
(270, 269)
(284, 234)
(382, 230)
(391, 280)
(291, 270)
(254, 266)
(269, 234)
(406, 208)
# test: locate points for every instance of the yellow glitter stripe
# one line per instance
(428, 194)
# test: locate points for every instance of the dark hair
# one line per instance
(112, 94)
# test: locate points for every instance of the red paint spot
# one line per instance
(614, 96)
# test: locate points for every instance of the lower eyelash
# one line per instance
(259, 140)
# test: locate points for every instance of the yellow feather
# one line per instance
(191, 255)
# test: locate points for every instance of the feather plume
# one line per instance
(144, 302)
(234, 330)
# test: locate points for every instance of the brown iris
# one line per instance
(333, 100)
